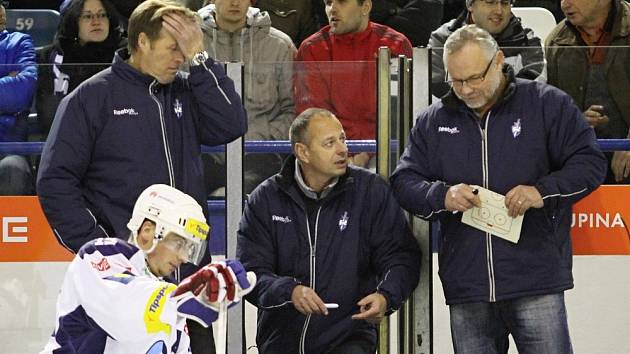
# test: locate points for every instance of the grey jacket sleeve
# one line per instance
(279, 125)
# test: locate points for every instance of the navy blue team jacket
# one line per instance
(358, 243)
(534, 135)
(122, 131)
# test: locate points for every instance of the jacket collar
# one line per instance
(452, 101)
(287, 181)
(355, 37)
(308, 191)
(128, 72)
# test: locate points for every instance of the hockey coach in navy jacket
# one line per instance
(320, 232)
(525, 140)
(139, 122)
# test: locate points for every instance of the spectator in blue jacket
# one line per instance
(139, 122)
(520, 138)
(18, 78)
(322, 232)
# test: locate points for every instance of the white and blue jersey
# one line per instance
(111, 303)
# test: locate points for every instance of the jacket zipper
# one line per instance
(167, 150)
(489, 259)
(313, 246)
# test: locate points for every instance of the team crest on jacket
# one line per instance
(516, 128)
(178, 108)
(343, 222)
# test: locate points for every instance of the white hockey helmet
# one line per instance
(172, 211)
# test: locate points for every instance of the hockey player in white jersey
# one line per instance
(114, 299)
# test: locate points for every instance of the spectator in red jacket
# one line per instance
(346, 87)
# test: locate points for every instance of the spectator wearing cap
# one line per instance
(522, 49)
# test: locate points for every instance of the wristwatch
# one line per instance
(199, 58)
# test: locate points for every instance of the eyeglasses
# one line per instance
(471, 81)
(494, 2)
(88, 17)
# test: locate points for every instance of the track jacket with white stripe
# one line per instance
(345, 245)
(122, 131)
(533, 135)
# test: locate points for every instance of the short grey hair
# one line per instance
(470, 34)
(298, 129)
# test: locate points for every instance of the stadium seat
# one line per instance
(539, 19)
(40, 24)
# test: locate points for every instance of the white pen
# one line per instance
(331, 306)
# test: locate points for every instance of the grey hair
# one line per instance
(470, 34)
(297, 131)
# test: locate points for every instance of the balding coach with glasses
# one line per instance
(527, 141)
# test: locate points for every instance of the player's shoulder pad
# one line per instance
(108, 247)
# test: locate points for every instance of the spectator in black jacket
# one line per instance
(413, 18)
(295, 18)
(87, 37)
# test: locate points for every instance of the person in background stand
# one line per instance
(88, 34)
(588, 56)
(18, 79)
(416, 19)
(336, 70)
(233, 31)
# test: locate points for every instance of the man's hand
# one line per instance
(307, 302)
(620, 165)
(361, 159)
(372, 308)
(186, 31)
(595, 116)
(13, 73)
(521, 198)
(461, 198)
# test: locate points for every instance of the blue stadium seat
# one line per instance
(40, 24)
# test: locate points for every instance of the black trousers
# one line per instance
(201, 339)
